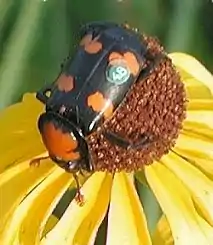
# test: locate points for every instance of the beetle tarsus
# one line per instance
(79, 197)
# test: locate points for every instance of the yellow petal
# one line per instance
(162, 234)
(198, 150)
(203, 116)
(200, 186)
(194, 68)
(17, 182)
(20, 139)
(201, 161)
(186, 225)
(126, 220)
(203, 139)
(194, 88)
(198, 104)
(200, 112)
(200, 145)
(79, 225)
(26, 224)
(198, 129)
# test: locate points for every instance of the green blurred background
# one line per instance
(36, 35)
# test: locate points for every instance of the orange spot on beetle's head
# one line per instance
(91, 46)
(58, 143)
(65, 83)
(129, 58)
(100, 104)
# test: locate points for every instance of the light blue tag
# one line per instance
(118, 72)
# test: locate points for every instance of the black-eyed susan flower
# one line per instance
(178, 169)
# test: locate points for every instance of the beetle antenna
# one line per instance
(36, 161)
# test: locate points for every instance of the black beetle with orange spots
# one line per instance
(91, 85)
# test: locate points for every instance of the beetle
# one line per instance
(91, 85)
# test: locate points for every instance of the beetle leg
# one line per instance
(116, 139)
(126, 144)
(144, 141)
(154, 62)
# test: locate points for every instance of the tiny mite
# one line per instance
(92, 84)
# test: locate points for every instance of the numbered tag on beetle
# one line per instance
(118, 72)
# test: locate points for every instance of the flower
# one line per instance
(181, 179)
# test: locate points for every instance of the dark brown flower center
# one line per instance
(156, 107)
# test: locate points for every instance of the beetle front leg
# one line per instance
(73, 168)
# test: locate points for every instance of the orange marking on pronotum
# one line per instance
(58, 143)
(100, 104)
(130, 59)
(91, 46)
(65, 83)
(86, 40)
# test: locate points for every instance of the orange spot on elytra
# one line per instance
(132, 62)
(109, 110)
(58, 143)
(65, 83)
(115, 55)
(100, 104)
(91, 46)
(130, 59)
